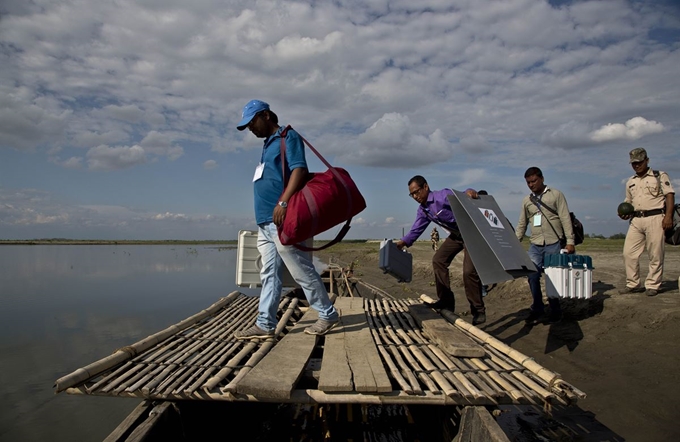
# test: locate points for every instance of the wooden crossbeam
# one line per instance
(275, 376)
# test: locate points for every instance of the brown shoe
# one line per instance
(651, 292)
(628, 290)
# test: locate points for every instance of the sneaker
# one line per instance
(651, 292)
(254, 332)
(533, 318)
(479, 318)
(321, 327)
(439, 305)
(628, 290)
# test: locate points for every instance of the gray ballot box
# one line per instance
(398, 263)
(489, 239)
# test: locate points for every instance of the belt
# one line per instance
(644, 213)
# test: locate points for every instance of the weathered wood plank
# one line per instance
(123, 430)
(476, 424)
(368, 371)
(336, 375)
(275, 376)
(448, 337)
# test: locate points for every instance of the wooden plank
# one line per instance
(123, 430)
(336, 374)
(449, 338)
(368, 371)
(275, 376)
(162, 422)
(477, 424)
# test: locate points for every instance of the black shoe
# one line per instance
(651, 292)
(533, 318)
(439, 305)
(554, 318)
(479, 318)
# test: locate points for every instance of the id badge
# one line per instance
(258, 172)
(537, 220)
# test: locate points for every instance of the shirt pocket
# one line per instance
(652, 188)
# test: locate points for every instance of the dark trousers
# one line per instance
(537, 254)
(473, 285)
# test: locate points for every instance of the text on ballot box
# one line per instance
(489, 239)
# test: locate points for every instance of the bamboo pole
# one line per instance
(426, 362)
(413, 369)
(393, 370)
(87, 372)
(263, 350)
(526, 361)
(380, 340)
(235, 361)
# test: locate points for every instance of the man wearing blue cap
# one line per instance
(271, 203)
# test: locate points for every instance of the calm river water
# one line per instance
(63, 307)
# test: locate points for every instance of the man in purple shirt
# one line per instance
(434, 207)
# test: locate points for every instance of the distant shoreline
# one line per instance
(131, 242)
(126, 242)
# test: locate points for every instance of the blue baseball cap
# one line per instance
(249, 111)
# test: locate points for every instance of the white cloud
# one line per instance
(26, 121)
(210, 165)
(161, 144)
(71, 163)
(469, 93)
(112, 158)
(393, 142)
(633, 129)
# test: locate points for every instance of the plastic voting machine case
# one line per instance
(489, 239)
(398, 263)
(249, 262)
(568, 276)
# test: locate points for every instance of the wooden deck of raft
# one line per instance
(384, 351)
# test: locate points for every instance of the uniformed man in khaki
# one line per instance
(653, 197)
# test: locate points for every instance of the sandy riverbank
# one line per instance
(622, 350)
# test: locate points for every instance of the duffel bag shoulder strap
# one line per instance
(343, 231)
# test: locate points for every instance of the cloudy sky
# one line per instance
(117, 118)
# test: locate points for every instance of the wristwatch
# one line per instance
(283, 204)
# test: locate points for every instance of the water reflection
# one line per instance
(63, 307)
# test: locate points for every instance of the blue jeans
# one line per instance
(301, 268)
(537, 253)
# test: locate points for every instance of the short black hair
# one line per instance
(418, 179)
(272, 116)
(533, 171)
(482, 192)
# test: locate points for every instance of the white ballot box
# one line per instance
(568, 276)
(398, 263)
(249, 262)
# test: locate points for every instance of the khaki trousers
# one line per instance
(644, 233)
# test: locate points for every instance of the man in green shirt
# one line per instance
(548, 227)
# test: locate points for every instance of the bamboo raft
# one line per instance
(384, 351)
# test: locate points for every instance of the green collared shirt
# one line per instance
(544, 234)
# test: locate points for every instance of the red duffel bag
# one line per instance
(326, 200)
